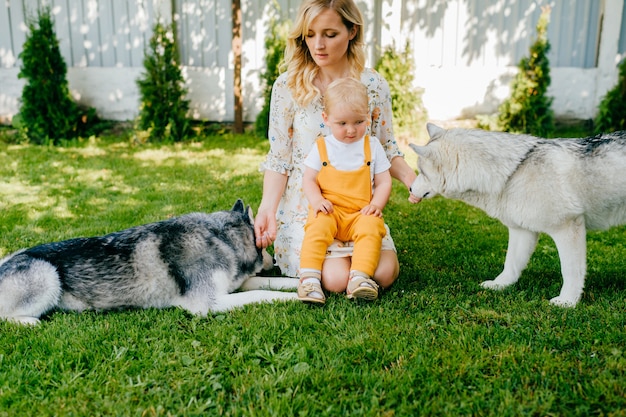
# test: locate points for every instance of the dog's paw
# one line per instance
(270, 283)
(24, 320)
(493, 285)
(563, 302)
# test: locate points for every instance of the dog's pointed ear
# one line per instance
(250, 214)
(423, 151)
(238, 206)
(434, 130)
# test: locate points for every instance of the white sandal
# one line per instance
(362, 288)
(310, 292)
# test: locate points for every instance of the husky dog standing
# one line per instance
(193, 261)
(560, 187)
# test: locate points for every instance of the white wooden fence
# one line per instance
(465, 51)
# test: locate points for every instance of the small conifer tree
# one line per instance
(47, 114)
(163, 112)
(528, 108)
(409, 113)
(612, 109)
(275, 44)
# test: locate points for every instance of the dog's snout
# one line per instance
(268, 260)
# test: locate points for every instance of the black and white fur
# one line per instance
(194, 261)
(561, 187)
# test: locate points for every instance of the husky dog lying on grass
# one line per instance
(194, 261)
(561, 187)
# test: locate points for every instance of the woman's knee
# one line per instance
(388, 269)
(335, 274)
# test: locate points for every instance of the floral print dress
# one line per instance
(292, 132)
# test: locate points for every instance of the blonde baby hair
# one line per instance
(348, 91)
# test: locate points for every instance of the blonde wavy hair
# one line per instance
(298, 61)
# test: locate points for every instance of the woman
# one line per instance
(325, 44)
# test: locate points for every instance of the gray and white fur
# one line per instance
(561, 187)
(195, 261)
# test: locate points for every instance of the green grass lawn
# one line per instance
(436, 343)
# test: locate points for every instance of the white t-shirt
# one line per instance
(349, 156)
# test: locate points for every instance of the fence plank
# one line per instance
(7, 51)
(447, 37)
(453, 33)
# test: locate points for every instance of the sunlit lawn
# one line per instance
(434, 344)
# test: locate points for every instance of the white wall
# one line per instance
(452, 89)
(455, 89)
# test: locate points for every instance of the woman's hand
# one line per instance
(413, 199)
(265, 222)
(265, 228)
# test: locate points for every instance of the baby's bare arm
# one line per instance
(313, 193)
(382, 191)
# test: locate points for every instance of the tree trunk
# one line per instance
(236, 47)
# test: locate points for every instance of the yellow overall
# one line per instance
(349, 191)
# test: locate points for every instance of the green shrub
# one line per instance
(528, 108)
(48, 114)
(275, 43)
(409, 113)
(163, 112)
(612, 109)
